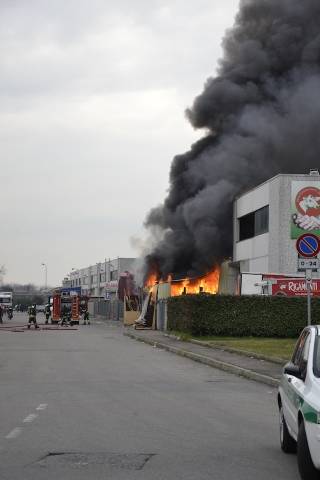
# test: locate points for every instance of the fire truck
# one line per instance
(69, 302)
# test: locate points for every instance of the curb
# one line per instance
(211, 362)
(244, 353)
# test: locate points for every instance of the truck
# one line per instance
(70, 302)
(6, 300)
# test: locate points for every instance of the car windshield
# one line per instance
(316, 361)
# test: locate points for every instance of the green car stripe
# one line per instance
(309, 413)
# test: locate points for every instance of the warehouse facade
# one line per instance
(268, 220)
(100, 279)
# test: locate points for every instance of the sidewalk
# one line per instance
(256, 369)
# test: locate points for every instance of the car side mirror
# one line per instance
(293, 370)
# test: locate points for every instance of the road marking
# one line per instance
(30, 418)
(14, 433)
(42, 406)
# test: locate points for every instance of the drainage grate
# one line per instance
(130, 461)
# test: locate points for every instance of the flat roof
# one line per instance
(293, 175)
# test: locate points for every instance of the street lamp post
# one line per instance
(46, 274)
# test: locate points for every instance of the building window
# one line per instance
(261, 221)
(102, 277)
(114, 275)
(246, 227)
(254, 224)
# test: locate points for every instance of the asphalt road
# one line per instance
(92, 404)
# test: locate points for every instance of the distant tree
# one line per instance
(27, 300)
(6, 287)
(25, 294)
(24, 287)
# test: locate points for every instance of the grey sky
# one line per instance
(92, 97)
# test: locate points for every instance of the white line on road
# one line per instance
(30, 418)
(17, 431)
(14, 433)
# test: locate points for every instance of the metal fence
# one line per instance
(162, 314)
(108, 309)
(113, 309)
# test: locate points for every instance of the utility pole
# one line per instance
(46, 274)
(309, 286)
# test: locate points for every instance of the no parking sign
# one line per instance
(308, 245)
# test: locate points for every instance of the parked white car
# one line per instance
(299, 404)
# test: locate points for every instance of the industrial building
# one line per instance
(101, 279)
(268, 220)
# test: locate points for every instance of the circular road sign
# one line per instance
(308, 245)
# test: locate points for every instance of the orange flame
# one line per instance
(208, 283)
(151, 280)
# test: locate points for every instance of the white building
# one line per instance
(100, 278)
(268, 220)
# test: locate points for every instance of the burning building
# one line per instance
(260, 114)
(208, 283)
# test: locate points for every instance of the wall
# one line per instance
(251, 253)
(93, 279)
(256, 251)
(282, 249)
(274, 252)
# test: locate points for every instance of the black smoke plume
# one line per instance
(261, 114)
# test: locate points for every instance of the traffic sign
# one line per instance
(308, 245)
(308, 263)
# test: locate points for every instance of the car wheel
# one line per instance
(288, 444)
(306, 468)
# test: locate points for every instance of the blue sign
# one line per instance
(71, 291)
(308, 245)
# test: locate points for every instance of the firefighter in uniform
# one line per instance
(33, 316)
(65, 316)
(86, 317)
(47, 312)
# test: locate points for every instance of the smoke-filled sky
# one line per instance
(92, 100)
(261, 111)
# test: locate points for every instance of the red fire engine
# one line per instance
(68, 302)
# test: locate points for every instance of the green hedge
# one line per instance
(204, 315)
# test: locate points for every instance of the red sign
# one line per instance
(307, 201)
(294, 287)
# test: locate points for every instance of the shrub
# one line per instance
(239, 316)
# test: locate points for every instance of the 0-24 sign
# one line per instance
(308, 264)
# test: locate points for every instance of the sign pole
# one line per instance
(308, 246)
(308, 284)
